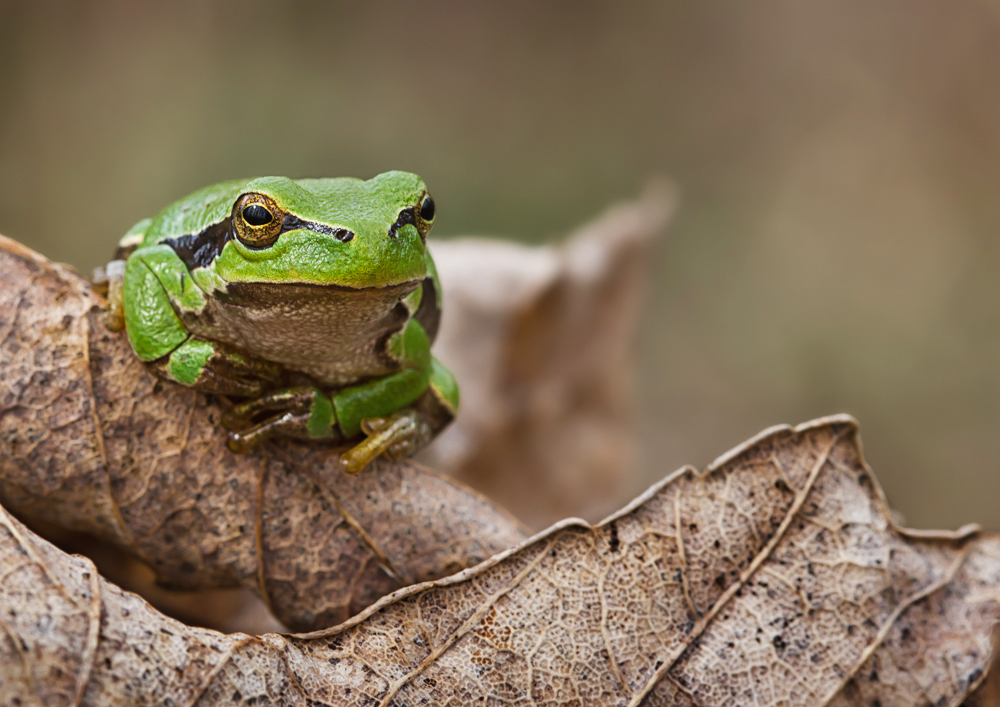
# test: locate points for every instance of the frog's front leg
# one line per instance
(216, 368)
(155, 286)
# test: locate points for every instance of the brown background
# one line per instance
(836, 248)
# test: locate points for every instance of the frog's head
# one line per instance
(343, 232)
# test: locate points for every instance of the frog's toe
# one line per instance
(297, 400)
(398, 435)
(240, 416)
(401, 449)
(288, 425)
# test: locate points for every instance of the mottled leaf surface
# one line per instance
(774, 577)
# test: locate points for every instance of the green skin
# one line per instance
(324, 328)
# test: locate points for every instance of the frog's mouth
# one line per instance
(284, 295)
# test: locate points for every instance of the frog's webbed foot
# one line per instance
(303, 413)
(397, 435)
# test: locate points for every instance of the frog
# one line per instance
(310, 305)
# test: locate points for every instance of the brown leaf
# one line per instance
(91, 442)
(542, 340)
(988, 692)
(774, 577)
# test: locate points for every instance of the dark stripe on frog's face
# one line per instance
(407, 217)
(294, 223)
(199, 250)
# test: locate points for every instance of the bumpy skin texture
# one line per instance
(775, 577)
(91, 441)
(286, 292)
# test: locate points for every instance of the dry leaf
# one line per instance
(775, 577)
(542, 340)
(91, 442)
(225, 610)
(988, 693)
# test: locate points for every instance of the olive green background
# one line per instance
(837, 245)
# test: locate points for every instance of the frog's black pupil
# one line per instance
(427, 209)
(257, 215)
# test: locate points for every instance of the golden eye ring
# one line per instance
(257, 220)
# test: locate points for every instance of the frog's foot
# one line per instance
(240, 417)
(304, 413)
(398, 435)
(108, 282)
(217, 368)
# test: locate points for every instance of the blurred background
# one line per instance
(837, 244)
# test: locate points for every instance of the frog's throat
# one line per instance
(335, 335)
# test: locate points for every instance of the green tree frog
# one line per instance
(314, 301)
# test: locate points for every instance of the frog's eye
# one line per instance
(257, 215)
(427, 209)
(257, 219)
(425, 214)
